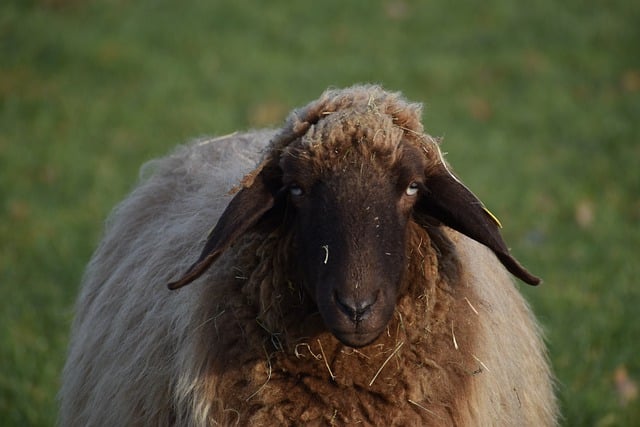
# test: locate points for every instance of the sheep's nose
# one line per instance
(356, 309)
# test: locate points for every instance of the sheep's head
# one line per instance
(351, 204)
(350, 171)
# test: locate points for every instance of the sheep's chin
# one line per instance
(357, 338)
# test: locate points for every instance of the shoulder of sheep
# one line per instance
(126, 335)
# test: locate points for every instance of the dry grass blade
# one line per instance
(268, 375)
(217, 138)
(385, 363)
(236, 413)
(481, 363)
(324, 357)
(423, 408)
(304, 344)
(453, 334)
(471, 305)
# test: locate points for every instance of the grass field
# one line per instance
(539, 104)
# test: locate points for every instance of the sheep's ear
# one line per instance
(244, 211)
(448, 200)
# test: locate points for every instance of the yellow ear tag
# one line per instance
(210, 232)
(444, 164)
(493, 217)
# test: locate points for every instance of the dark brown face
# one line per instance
(350, 226)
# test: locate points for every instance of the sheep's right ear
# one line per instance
(243, 212)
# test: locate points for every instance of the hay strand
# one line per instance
(471, 305)
(326, 363)
(268, 375)
(326, 253)
(481, 363)
(385, 363)
(423, 408)
(453, 334)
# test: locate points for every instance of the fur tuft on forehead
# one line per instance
(356, 113)
(362, 113)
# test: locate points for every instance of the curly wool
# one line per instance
(361, 113)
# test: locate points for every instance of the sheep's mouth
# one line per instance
(357, 322)
(357, 337)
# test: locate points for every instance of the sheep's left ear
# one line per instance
(447, 199)
(244, 211)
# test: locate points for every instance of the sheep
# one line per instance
(350, 278)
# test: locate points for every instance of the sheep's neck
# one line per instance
(267, 350)
(423, 321)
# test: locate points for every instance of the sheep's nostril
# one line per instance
(356, 309)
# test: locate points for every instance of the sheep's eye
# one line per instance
(412, 189)
(295, 190)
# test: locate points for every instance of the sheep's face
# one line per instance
(350, 222)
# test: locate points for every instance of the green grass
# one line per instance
(539, 104)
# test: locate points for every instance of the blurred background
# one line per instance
(538, 104)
